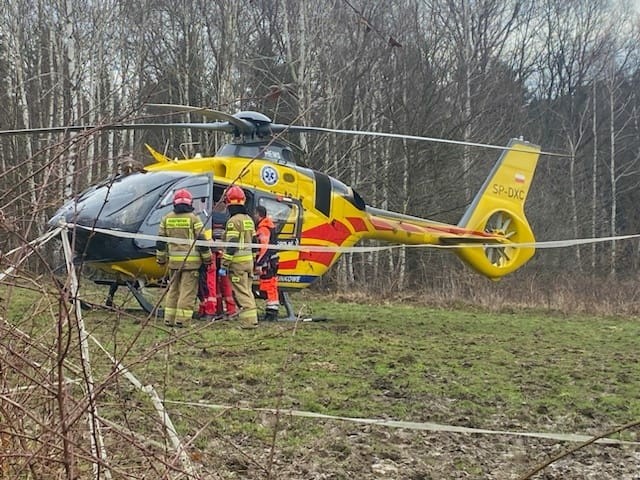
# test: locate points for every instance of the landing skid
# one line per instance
(134, 288)
(285, 301)
(146, 305)
(149, 308)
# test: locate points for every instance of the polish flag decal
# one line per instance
(520, 178)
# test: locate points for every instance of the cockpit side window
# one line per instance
(200, 188)
(284, 214)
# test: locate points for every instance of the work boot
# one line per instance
(248, 322)
(231, 316)
(270, 315)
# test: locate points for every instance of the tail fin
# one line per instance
(158, 157)
(498, 208)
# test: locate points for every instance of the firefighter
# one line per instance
(215, 292)
(183, 259)
(237, 259)
(227, 307)
(207, 291)
(266, 264)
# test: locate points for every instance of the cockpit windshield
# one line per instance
(120, 204)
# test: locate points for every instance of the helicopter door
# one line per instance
(286, 216)
(200, 186)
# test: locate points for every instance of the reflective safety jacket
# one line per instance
(187, 256)
(239, 231)
(265, 235)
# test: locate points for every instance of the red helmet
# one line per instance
(182, 197)
(234, 196)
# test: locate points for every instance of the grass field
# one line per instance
(527, 371)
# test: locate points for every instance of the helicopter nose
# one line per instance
(62, 216)
(120, 204)
(91, 245)
(55, 221)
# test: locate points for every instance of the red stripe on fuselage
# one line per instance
(380, 224)
(335, 232)
(324, 258)
(288, 265)
(358, 224)
(384, 225)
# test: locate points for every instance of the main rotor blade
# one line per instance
(297, 128)
(210, 114)
(216, 126)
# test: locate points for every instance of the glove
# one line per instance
(222, 272)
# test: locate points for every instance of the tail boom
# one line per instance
(488, 235)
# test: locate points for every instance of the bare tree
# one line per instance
(484, 71)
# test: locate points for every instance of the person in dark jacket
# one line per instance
(215, 292)
(266, 264)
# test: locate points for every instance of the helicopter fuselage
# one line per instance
(309, 208)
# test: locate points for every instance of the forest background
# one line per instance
(563, 74)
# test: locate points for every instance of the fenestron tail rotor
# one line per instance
(500, 223)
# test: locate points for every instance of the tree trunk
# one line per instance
(574, 204)
(612, 177)
(594, 178)
(72, 80)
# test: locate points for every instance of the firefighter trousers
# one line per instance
(181, 297)
(207, 290)
(241, 279)
(215, 293)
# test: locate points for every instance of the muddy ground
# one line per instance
(353, 451)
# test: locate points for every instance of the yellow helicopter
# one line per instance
(115, 221)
